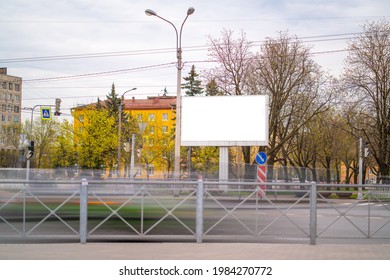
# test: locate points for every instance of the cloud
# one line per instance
(46, 28)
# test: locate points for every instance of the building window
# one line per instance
(3, 107)
(165, 142)
(3, 118)
(9, 108)
(151, 129)
(164, 154)
(165, 117)
(4, 85)
(165, 129)
(138, 170)
(17, 87)
(16, 119)
(151, 117)
(139, 117)
(150, 169)
(10, 86)
(151, 141)
(16, 109)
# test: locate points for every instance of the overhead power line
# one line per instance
(306, 39)
(104, 73)
(97, 55)
(120, 71)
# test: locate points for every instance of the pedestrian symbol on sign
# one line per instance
(45, 113)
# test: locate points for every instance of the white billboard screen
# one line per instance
(225, 120)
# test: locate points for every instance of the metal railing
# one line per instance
(192, 210)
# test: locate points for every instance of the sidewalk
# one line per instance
(192, 251)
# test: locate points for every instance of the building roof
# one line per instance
(161, 102)
(3, 74)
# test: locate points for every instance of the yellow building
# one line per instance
(156, 121)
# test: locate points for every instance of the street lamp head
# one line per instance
(190, 11)
(123, 94)
(150, 12)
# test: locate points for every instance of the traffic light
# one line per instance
(30, 150)
(58, 107)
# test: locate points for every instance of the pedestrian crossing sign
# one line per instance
(45, 113)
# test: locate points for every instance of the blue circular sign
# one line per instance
(261, 158)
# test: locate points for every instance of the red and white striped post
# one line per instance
(261, 178)
(261, 159)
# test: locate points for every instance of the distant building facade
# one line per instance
(156, 119)
(10, 100)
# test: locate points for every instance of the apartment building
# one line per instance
(10, 100)
(155, 117)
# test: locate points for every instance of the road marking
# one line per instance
(375, 218)
(376, 204)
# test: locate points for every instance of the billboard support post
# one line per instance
(223, 166)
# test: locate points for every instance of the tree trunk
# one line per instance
(246, 152)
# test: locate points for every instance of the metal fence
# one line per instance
(198, 211)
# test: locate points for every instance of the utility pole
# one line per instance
(30, 151)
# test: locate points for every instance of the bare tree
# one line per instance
(301, 152)
(285, 71)
(367, 76)
(231, 74)
(233, 57)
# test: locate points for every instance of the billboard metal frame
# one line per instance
(225, 121)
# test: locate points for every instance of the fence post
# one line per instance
(83, 210)
(199, 211)
(313, 213)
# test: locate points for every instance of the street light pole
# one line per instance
(360, 194)
(131, 174)
(363, 153)
(120, 129)
(179, 67)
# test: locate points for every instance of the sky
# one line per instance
(76, 49)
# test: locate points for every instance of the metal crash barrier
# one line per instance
(203, 211)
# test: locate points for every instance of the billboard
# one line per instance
(240, 120)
